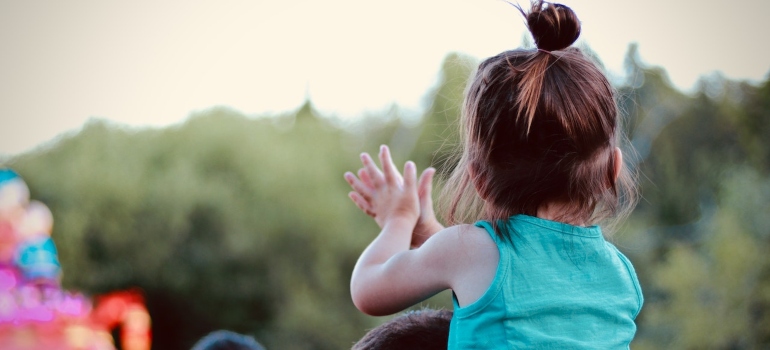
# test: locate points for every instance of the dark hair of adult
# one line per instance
(424, 329)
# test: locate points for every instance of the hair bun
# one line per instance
(553, 26)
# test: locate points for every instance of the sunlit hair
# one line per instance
(539, 127)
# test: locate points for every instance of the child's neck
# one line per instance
(558, 211)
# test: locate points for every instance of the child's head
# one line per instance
(540, 127)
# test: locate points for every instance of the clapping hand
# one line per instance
(384, 194)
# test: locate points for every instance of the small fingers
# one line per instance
(410, 175)
(388, 168)
(424, 189)
(425, 185)
(374, 174)
(359, 186)
(361, 203)
(364, 176)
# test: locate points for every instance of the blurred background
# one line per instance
(194, 151)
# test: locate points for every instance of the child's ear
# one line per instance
(618, 155)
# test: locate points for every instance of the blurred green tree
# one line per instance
(223, 221)
(696, 236)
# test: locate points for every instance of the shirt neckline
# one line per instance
(560, 227)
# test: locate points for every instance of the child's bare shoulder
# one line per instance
(469, 256)
(465, 234)
(463, 242)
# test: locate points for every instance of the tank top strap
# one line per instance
(490, 296)
(487, 226)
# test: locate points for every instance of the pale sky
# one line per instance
(151, 63)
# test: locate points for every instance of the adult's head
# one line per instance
(424, 329)
(227, 340)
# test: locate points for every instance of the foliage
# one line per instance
(698, 235)
(224, 222)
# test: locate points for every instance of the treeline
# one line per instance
(241, 223)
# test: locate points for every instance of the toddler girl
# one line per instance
(540, 166)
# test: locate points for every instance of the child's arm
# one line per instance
(364, 190)
(388, 276)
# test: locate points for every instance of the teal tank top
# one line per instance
(557, 286)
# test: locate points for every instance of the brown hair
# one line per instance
(540, 127)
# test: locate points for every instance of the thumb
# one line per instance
(425, 188)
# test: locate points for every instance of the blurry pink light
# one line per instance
(73, 306)
(38, 313)
(7, 280)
